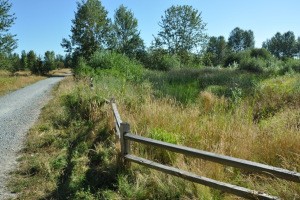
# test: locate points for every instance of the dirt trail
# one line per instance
(18, 112)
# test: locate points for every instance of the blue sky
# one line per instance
(41, 24)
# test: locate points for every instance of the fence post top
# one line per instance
(112, 100)
(125, 127)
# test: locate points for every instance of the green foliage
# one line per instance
(282, 45)
(24, 61)
(160, 60)
(216, 51)
(7, 41)
(125, 35)
(90, 28)
(260, 53)
(32, 62)
(49, 61)
(240, 40)
(182, 30)
(119, 65)
(256, 65)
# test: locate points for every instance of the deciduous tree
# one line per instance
(182, 30)
(216, 50)
(282, 45)
(89, 30)
(240, 40)
(125, 35)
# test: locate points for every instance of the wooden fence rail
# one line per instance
(125, 136)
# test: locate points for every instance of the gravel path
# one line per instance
(18, 112)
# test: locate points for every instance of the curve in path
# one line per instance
(18, 112)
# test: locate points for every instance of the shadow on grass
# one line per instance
(100, 174)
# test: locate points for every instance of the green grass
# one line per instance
(72, 152)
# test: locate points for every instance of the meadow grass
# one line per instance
(72, 153)
(9, 83)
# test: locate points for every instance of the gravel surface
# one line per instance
(18, 112)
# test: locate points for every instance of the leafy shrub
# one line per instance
(260, 53)
(116, 64)
(255, 65)
(82, 68)
(292, 64)
(160, 60)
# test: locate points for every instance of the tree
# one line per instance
(126, 37)
(182, 30)
(7, 41)
(282, 45)
(216, 50)
(89, 30)
(49, 61)
(240, 40)
(31, 59)
(23, 61)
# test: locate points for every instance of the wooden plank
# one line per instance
(116, 114)
(233, 189)
(226, 160)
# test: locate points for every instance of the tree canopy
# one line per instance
(182, 30)
(89, 30)
(125, 35)
(7, 41)
(240, 40)
(216, 50)
(282, 45)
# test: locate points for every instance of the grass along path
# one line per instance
(9, 83)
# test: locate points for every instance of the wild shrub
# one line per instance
(255, 65)
(260, 53)
(160, 60)
(117, 64)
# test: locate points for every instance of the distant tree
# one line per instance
(15, 62)
(282, 45)
(182, 30)
(49, 61)
(216, 50)
(23, 61)
(89, 30)
(31, 59)
(240, 40)
(7, 41)
(298, 47)
(125, 35)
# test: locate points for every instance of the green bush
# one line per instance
(160, 60)
(117, 64)
(292, 64)
(255, 65)
(260, 53)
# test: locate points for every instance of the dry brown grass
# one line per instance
(9, 82)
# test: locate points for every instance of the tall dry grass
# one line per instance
(71, 145)
(9, 82)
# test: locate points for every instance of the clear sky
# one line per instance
(41, 24)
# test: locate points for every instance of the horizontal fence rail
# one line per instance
(225, 160)
(233, 189)
(125, 136)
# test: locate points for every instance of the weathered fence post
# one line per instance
(125, 144)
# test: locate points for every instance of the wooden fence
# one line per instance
(126, 137)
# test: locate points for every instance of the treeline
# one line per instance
(181, 42)
(27, 60)
(34, 63)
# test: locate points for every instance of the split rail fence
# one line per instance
(126, 137)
